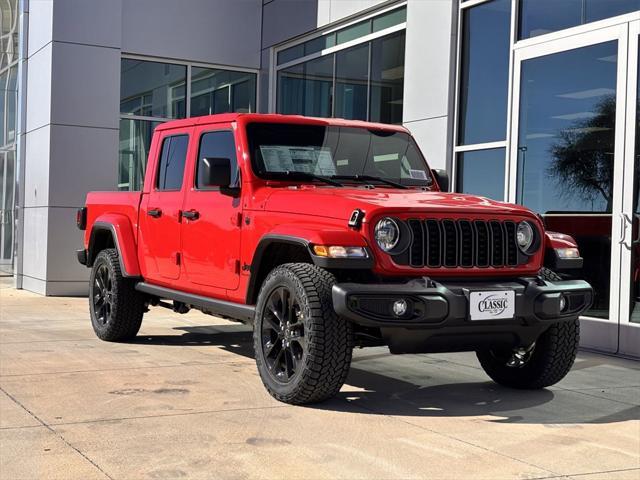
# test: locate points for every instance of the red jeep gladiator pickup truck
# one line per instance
(328, 234)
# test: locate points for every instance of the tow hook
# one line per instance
(520, 356)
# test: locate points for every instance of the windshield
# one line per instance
(344, 153)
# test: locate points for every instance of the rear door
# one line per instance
(161, 208)
(211, 237)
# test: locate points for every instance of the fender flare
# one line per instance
(121, 232)
(553, 241)
(323, 262)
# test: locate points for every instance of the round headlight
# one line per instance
(525, 236)
(387, 234)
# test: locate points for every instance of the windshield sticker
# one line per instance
(342, 163)
(389, 157)
(283, 158)
(418, 174)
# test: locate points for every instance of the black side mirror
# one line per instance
(216, 172)
(442, 177)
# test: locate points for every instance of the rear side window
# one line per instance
(217, 145)
(172, 160)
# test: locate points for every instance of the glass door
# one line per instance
(7, 172)
(629, 242)
(567, 156)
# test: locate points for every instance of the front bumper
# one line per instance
(437, 318)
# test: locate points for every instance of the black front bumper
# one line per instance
(437, 317)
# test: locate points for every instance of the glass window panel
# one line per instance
(635, 253)
(173, 157)
(387, 78)
(484, 73)
(217, 145)
(152, 89)
(566, 146)
(390, 19)
(307, 89)
(135, 141)
(354, 31)
(290, 54)
(319, 44)
(481, 172)
(3, 102)
(538, 17)
(352, 72)
(12, 103)
(214, 91)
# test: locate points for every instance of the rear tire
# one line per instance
(303, 349)
(549, 362)
(115, 305)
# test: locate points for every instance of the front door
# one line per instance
(570, 148)
(211, 231)
(161, 208)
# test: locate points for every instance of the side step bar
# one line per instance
(222, 308)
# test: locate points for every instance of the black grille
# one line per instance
(462, 243)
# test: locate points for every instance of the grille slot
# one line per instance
(452, 243)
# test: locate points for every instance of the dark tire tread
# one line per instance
(329, 337)
(128, 303)
(553, 356)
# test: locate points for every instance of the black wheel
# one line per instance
(540, 365)
(116, 307)
(303, 349)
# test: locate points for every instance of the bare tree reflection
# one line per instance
(582, 158)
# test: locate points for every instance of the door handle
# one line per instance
(191, 214)
(154, 212)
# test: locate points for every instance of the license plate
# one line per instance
(492, 305)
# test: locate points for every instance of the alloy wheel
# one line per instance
(102, 295)
(283, 334)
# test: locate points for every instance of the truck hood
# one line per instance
(340, 202)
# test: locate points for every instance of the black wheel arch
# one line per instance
(276, 249)
(103, 236)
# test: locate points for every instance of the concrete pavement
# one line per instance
(185, 401)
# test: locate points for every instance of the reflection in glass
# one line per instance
(538, 17)
(135, 140)
(307, 89)
(566, 146)
(387, 78)
(152, 89)
(484, 72)
(635, 252)
(352, 72)
(481, 172)
(221, 91)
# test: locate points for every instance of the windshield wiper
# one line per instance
(370, 178)
(295, 175)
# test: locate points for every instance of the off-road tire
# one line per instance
(127, 304)
(551, 359)
(325, 362)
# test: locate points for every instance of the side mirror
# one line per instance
(442, 177)
(216, 172)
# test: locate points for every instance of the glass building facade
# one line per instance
(152, 92)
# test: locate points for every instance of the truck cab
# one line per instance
(325, 235)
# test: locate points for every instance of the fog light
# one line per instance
(400, 307)
(563, 303)
(568, 252)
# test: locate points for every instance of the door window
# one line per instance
(172, 160)
(566, 146)
(216, 145)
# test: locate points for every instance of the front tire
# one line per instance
(303, 349)
(549, 361)
(115, 305)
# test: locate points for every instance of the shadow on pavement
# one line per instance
(375, 393)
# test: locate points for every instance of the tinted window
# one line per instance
(538, 17)
(481, 173)
(217, 145)
(307, 89)
(221, 91)
(172, 160)
(352, 75)
(387, 78)
(484, 77)
(152, 89)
